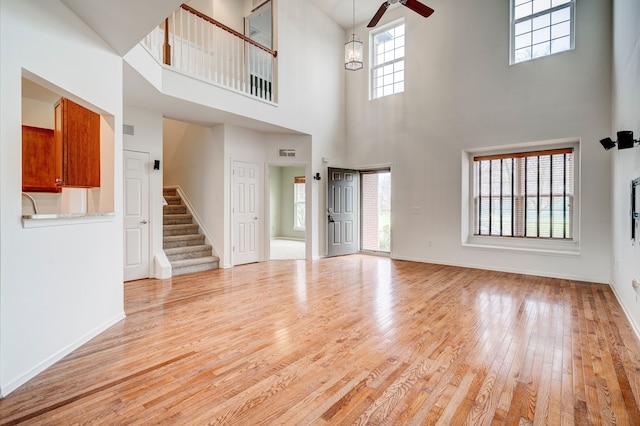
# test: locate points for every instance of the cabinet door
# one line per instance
(80, 145)
(40, 160)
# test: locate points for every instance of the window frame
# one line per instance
(372, 67)
(571, 4)
(524, 244)
(299, 180)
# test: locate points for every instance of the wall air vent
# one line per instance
(287, 152)
(127, 129)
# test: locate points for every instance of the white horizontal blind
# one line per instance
(528, 194)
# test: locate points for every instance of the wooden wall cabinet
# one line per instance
(68, 156)
(77, 131)
(41, 160)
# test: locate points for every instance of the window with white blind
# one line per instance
(524, 198)
(527, 194)
(541, 27)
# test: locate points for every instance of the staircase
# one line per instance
(182, 242)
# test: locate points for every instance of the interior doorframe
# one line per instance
(267, 206)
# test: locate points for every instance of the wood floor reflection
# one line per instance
(348, 340)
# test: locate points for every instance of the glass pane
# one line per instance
(540, 36)
(506, 217)
(376, 211)
(558, 222)
(541, 49)
(542, 21)
(484, 216)
(561, 44)
(540, 5)
(399, 87)
(561, 15)
(545, 217)
(523, 41)
(522, 10)
(555, 3)
(300, 216)
(531, 223)
(561, 30)
(398, 77)
(522, 54)
(399, 53)
(523, 27)
(398, 66)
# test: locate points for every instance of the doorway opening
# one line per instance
(287, 212)
(375, 208)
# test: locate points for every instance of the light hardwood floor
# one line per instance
(348, 340)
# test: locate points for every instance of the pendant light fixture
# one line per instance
(353, 47)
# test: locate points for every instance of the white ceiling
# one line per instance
(341, 11)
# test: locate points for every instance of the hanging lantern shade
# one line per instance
(353, 53)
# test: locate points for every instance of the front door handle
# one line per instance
(331, 219)
(144, 222)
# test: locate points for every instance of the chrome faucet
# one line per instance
(33, 202)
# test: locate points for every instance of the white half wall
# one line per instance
(59, 285)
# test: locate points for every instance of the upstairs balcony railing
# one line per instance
(200, 46)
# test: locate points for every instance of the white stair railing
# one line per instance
(198, 45)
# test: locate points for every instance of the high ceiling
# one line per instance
(341, 11)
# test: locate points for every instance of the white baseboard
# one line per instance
(40, 367)
(509, 270)
(635, 326)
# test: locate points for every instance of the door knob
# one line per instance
(255, 218)
(144, 222)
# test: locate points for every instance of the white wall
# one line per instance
(147, 137)
(275, 197)
(59, 285)
(461, 93)
(626, 163)
(228, 12)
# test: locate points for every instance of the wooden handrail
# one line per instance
(201, 15)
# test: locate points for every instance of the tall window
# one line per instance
(541, 28)
(527, 194)
(387, 60)
(299, 195)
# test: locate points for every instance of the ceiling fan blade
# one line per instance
(418, 7)
(378, 15)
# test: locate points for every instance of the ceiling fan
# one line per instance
(414, 5)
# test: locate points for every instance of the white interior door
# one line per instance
(342, 212)
(247, 234)
(136, 215)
